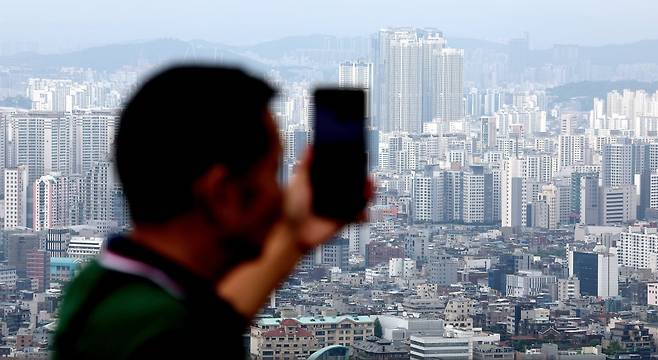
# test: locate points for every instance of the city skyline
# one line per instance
(515, 204)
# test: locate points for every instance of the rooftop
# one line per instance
(306, 320)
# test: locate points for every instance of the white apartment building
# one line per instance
(95, 131)
(85, 248)
(617, 165)
(477, 197)
(355, 74)
(570, 150)
(528, 283)
(424, 198)
(418, 79)
(16, 192)
(652, 294)
(617, 205)
(358, 236)
(398, 267)
(512, 194)
(51, 202)
(637, 248)
(608, 271)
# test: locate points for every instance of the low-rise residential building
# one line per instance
(63, 269)
(528, 283)
(287, 341)
(8, 277)
(85, 248)
(568, 289)
(631, 337)
(323, 330)
(458, 313)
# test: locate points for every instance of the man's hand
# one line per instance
(308, 229)
(249, 284)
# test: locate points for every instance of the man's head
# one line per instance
(200, 142)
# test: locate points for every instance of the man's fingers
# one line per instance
(305, 163)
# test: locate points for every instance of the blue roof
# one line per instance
(333, 351)
(64, 261)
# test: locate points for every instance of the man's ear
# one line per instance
(212, 185)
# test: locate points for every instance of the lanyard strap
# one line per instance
(116, 262)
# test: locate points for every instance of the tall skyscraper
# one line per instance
(589, 200)
(628, 164)
(355, 74)
(617, 205)
(16, 193)
(451, 196)
(488, 132)
(608, 274)
(512, 194)
(550, 196)
(95, 132)
(3, 152)
(99, 186)
(478, 196)
(359, 75)
(424, 194)
(571, 150)
(51, 202)
(617, 165)
(43, 143)
(451, 86)
(417, 80)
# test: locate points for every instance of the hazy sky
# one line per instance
(75, 23)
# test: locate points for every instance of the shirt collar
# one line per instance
(168, 274)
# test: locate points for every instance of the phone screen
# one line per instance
(338, 169)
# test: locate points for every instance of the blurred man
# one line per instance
(213, 233)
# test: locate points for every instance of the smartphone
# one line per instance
(339, 164)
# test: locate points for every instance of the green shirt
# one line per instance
(142, 306)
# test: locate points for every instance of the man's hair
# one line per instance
(180, 123)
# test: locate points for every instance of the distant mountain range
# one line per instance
(111, 57)
(114, 56)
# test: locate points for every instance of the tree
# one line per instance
(378, 329)
(613, 348)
